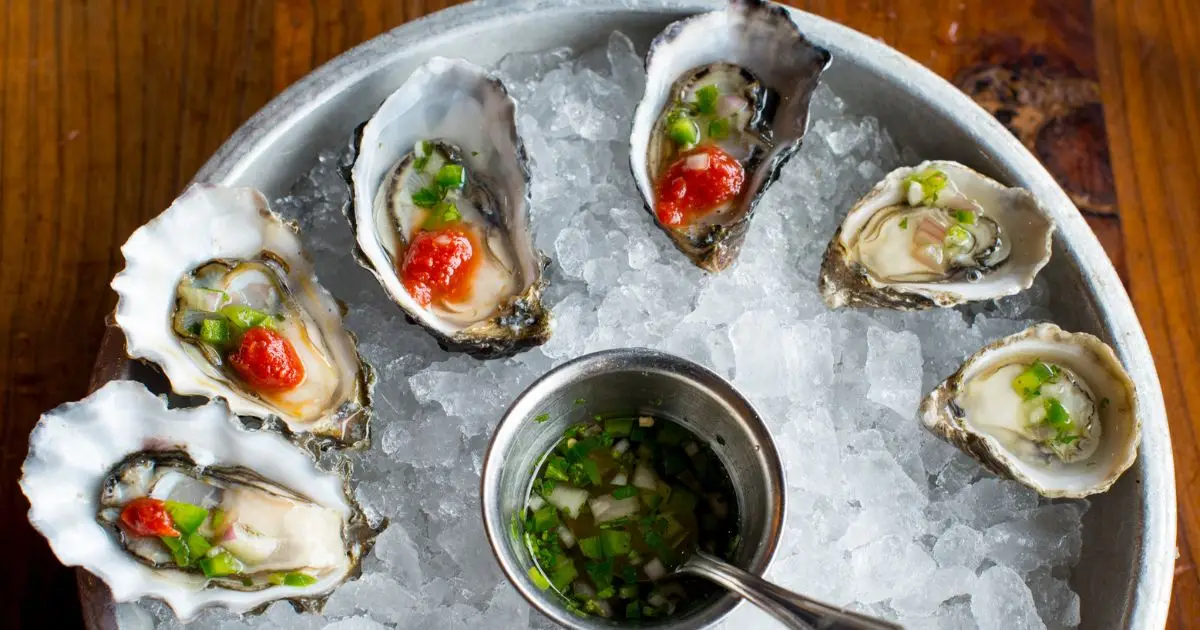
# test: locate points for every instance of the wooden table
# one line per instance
(107, 108)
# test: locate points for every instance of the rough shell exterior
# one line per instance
(73, 448)
(458, 103)
(1085, 354)
(844, 282)
(208, 223)
(760, 37)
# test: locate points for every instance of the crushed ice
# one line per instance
(882, 517)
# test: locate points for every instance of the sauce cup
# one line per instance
(633, 381)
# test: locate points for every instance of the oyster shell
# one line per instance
(1051, 409)
(90, 459)
(739, 79)
(215, 265)
(453, 114)
(936, 234)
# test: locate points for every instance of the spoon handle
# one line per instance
(794, 610)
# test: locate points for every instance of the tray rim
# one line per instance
(1154, 575)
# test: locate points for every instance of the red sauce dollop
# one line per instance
(438, 264)
(696, 183)
(267, 360)
(144, 516)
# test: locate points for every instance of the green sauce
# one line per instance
(616, 505)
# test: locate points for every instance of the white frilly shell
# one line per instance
(75, 446)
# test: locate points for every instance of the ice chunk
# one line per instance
(1002, 601)
(888, 566)
(959, 546)
(894, 370)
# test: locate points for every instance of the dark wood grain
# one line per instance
(107, 107)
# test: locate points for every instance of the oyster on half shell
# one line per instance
(936, 234)
(186, 505)
(1051, 409)
(727, 96)
(218, 283)
(439, 171)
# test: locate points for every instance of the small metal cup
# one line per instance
(633, 381)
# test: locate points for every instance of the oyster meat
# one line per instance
(726, 105)
(937, 234)
(186, 505)
(218, 292)
(440, 211)
(1052, 409)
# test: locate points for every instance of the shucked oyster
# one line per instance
(441, 211)
(187, 506)
(1052, 409)
(726, 105)
(218, 292)
(937, 234)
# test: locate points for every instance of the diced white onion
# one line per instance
(645, 421)
(655, 570)
(536, 502)
(620, 479)
(583, 589)
(915, 194)
(565, 535)
(644, 477)
(605, 509)
(567, 499)
(620, 447)
(697, 162)
(657, 600)
(604, 607)
(691, 449)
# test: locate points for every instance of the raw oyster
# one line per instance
(936, 234)
(440, 211)
(217, 281)
(255, 519)
(726, 100)
(1052, 409)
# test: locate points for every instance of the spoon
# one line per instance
(794, 610)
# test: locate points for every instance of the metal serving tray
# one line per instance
(1124, 577)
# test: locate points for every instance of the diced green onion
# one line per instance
(1045, 372)
(624, 492)
(450, 177)
(616, 542)
(965, 216)
(421, 153)
(203, 299)
(706, 99)
(564, 573)
(718, 129)
(633, 610)
(244, 317)
(545, 519)
(618, 426)
(220, 565)
(904, 223)
(218, 520)
(539, 580)
(1029, 382)
(187, 517)
(683, 131)
(556, 468)
(443, 214)
(426, 197)
(197, 546)
(932, 182)
(592, 471)
(957, 236)
(295, 578)
(178, 548)
(541, 417)
(629, 591)
(214, 331)
(1056, 414)
(592, 547)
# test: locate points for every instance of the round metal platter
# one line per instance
(1124, 576)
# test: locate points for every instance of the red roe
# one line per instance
(438, 266)
(144, 516)
(696, 183)
(267, 361)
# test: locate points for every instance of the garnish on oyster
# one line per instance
(187, 506)
(726, 105)
(441, 211)
(937, 234)
(1052, 409)
(218, 292)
